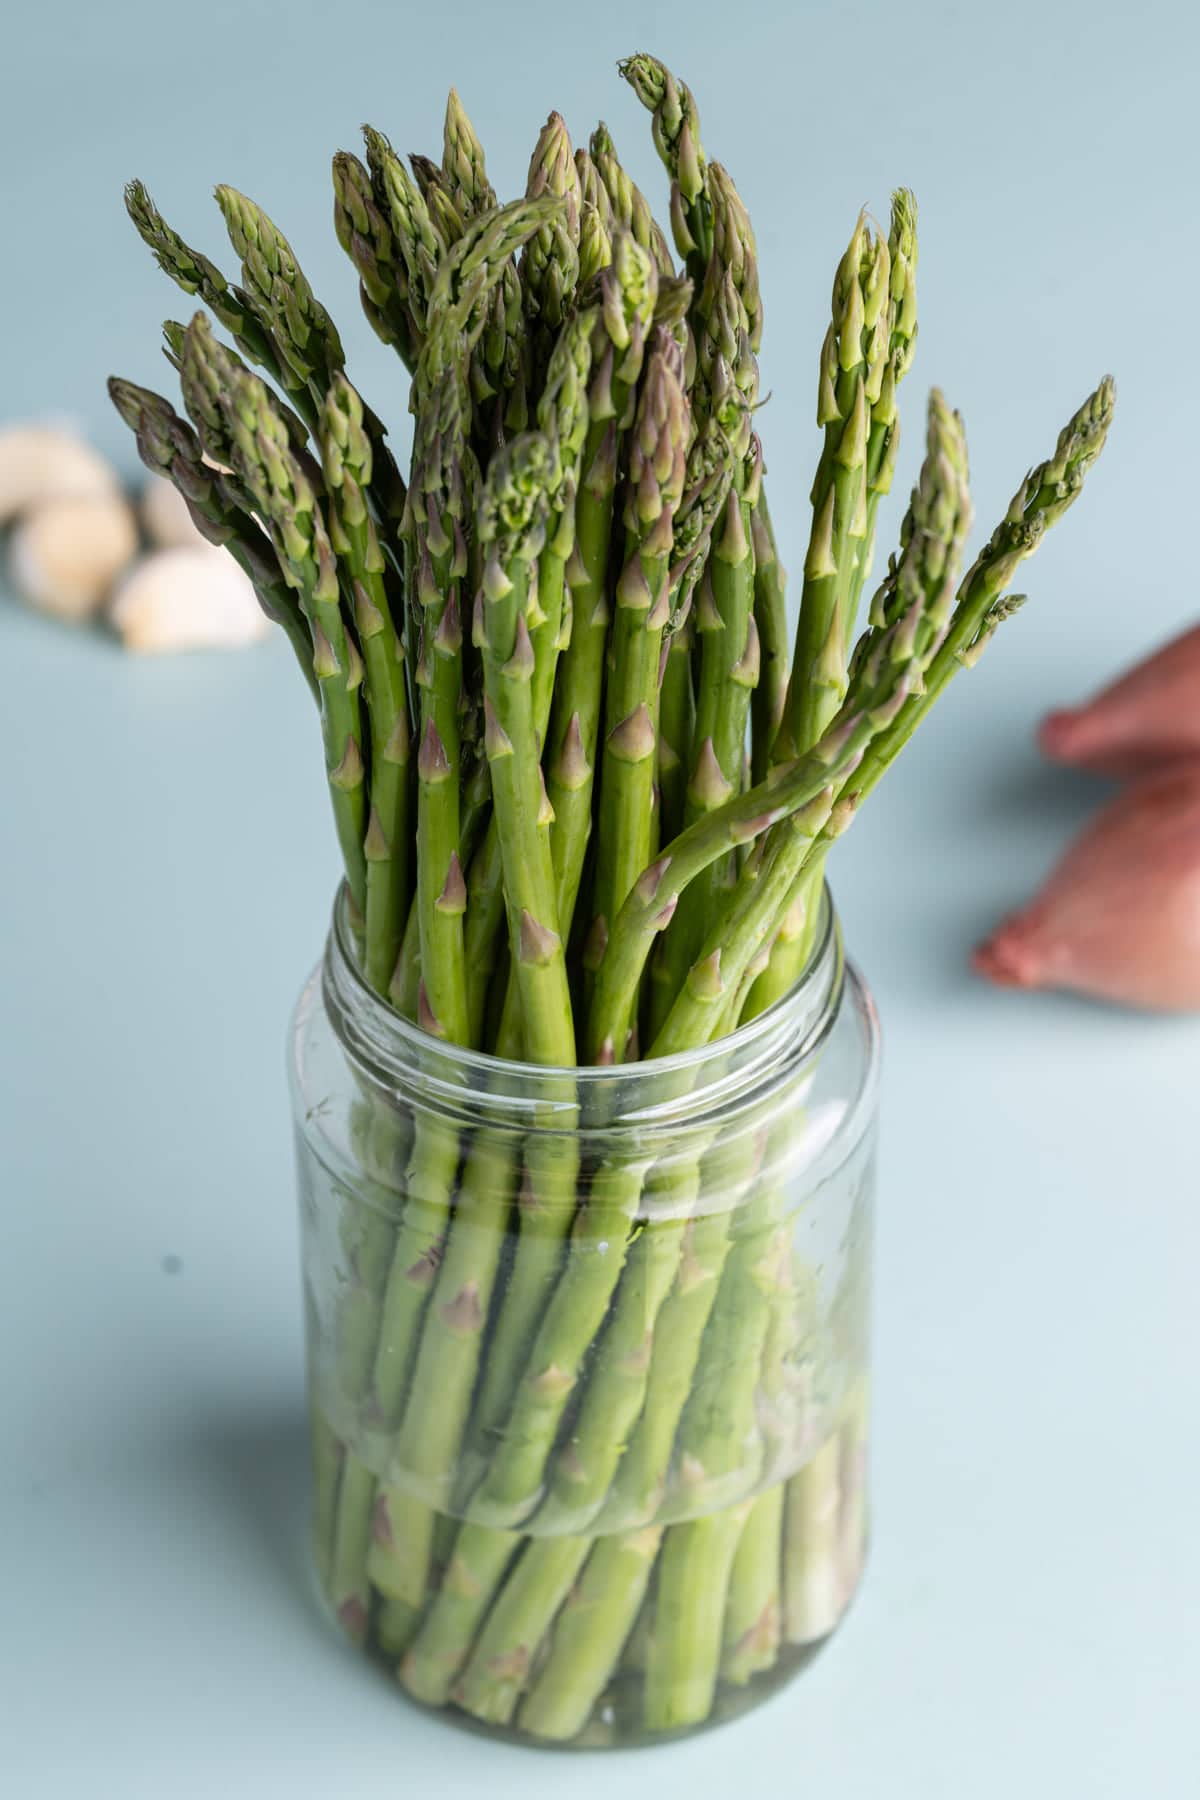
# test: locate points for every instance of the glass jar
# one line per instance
(588, 1356)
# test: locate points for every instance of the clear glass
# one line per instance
(588, 1356)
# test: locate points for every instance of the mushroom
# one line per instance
(192, 598)
(46, 462)
(66, 553)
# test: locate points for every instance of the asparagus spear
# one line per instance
(914, 607)
(727, 320)
(418, 240)
(365, 234)
(305, 337)
(514, 507)
(286, 502)
(694, 1570)
(676, 129)
(550, 261)
(658, 448)
(463, 162)
(818, 675)
(346, 455)
(304, 334)
(889, 355)
(168, 446)
(627, 292)
(770, 619)
(589, 1634)
(503, 1657)
(627, 204)
(752, 1612)
(231, 306)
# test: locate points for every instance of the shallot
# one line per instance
(1119, 918)
(1148, 716)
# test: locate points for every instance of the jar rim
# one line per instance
(390, 1042)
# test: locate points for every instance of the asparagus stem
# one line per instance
(590, 1634)
(168, 446)
(346, 457)
(627, 294)
(616, 1393)
(287, 503)
(812, 1578)
(695, 1564)
(429, 1192)
(349, 1591)
(327, 1453)
(752, 1611)
(447, 1359)
(550, 261)
(365, 234)
(440, 1649)
(513, 1485)
(512, 528)
(636, 1492)
(770, 618)
(500, 1664)
(401, 1552)
(656, 474)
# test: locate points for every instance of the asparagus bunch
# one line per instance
(583, 796)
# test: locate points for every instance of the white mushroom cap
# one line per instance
(65, 554)
(187, 599)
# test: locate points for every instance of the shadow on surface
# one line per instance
(254, 1470)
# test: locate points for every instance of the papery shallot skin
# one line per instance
(1147, 717)
(1119, 918)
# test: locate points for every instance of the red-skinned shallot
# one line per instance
(1119, 917)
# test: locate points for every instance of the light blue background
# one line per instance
(1029, 1624)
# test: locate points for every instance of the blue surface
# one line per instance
(1029, 1621)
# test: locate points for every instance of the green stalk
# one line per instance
(694, 1568)
(365, 234)
(440, 1649)
(327, 1453)
(627, 205)
(231, 306)
(169, 447)
(348, 1587)
(512, 525)
(550, 262)
(658, 448)
(346, 458)
(753, 1607)
(812, 1580)
(500, 1664)
(770, 617)
(981, 604)
(676, 726)
(615, 1395)
(838, 496)
(287, 504)
(628, 290)
(676, 128)
(589, 1635)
